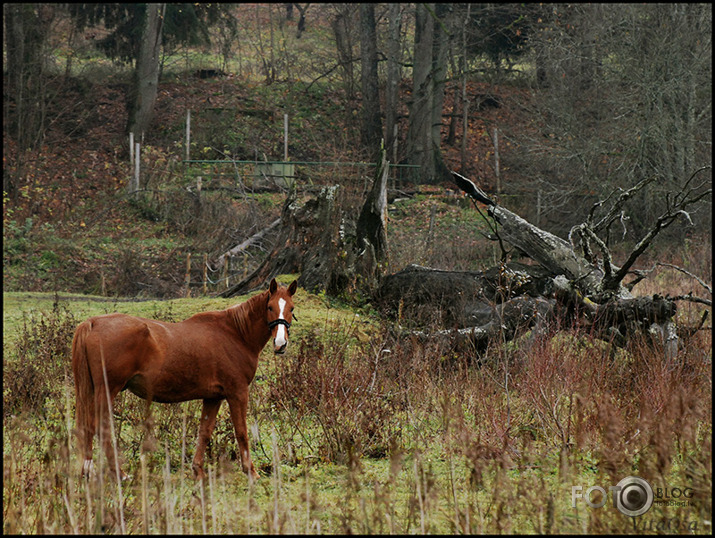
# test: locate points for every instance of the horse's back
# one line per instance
(123, 343)
(121, 330)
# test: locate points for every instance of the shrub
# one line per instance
(42, 363)
(347, 395)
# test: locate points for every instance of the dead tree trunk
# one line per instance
(550, 251)
(255, 238)
(318, 240)
(372, 255)
(305, 243)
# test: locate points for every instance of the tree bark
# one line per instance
(503, 303)
(393, 76)
(305, 242)
(371, 131)
(331, 252)
(247, 243)
(372, 228)
(344, 48)
(146, 73)
(549, 250)
(425, 118)
(419, 133)
(423, 296)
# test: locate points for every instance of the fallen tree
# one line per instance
(575, 280)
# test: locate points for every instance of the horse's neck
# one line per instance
(250, 321)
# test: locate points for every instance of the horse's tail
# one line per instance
(84, 389)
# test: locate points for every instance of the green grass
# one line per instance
(349, 438)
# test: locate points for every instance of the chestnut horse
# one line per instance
(211, 356)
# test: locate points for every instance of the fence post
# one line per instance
(538, 207)
(134, 183)
(285, 137)
(188, 274)
(206, 265)
(131, 152)
(188, 132)
(226, 263)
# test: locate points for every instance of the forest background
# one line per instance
(563, 105)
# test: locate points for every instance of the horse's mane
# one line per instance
(244, 314)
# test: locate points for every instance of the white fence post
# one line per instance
(188, 133)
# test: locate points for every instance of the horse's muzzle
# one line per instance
(280, 350)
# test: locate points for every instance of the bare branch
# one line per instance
(693, 299)
(675, 207)
(691, 275)
(616, 207)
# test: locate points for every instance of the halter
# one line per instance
(277, 322)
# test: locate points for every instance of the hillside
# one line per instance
(71, 226)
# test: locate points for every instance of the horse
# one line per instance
(211, 356)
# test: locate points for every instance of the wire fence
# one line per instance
(256, 175)
(213, 279)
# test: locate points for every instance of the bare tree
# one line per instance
(343, 32)
(394, 75)
(26, 32)
(303, 10)
(624, 92)
(146, 74)
(371, 125)
(425, 106)
(570, 282)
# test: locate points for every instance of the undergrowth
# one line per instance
(376, 435)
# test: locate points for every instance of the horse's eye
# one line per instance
(270, 309)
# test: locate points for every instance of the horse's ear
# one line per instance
(293, 286)
(273, 286)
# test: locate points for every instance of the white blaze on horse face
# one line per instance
(280, 339)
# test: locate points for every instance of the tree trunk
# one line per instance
(372, 228)
(425, 296)
(371, 131)
(305, 242)
(393, 76)
(564, 290)
(440, 48)
(25, 32)
(425, 119)
(549, 250)
(331, 252)
(419, 133)
(504, 302)
(344, 48)
(146, 74)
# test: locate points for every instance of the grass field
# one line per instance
(358, 430)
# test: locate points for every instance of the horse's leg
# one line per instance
(208, 421)
(86, 424)
(237, 405)
(105, 433)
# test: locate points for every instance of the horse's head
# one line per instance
(280, 313)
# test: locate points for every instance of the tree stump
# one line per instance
(320, 241)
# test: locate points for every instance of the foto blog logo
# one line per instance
(632, 496)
